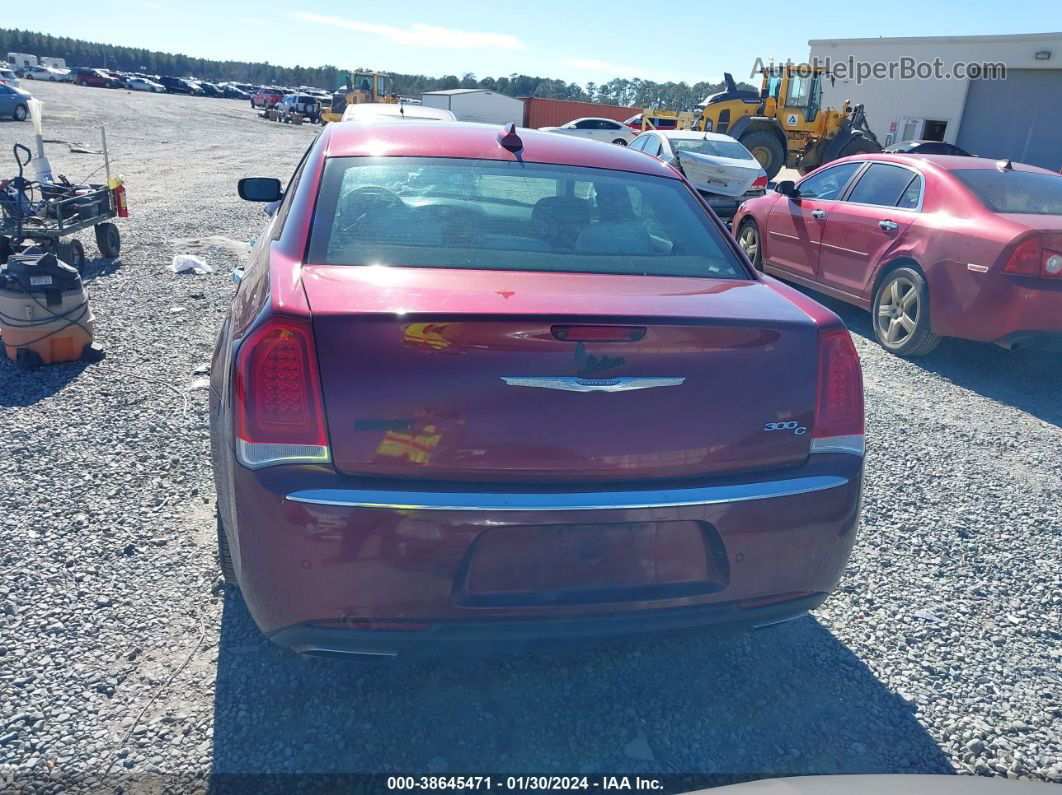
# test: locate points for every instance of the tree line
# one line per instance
(634, 92)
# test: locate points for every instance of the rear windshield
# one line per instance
(1014, 191)
(731, 149)
(487, 214)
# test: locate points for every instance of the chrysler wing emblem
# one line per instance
(576, 384)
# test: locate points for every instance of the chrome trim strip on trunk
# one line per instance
(566, 501)
(574, 384)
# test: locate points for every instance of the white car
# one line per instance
(9, 78)
(143, 84)
(370, 111)
(607, 131)
(46, 73)
(722, 170)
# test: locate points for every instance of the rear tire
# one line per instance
(901, 314)
(228, 571)
(108, 240)
(20, 113)
(620, 142)
(749, 242)
(766, 149)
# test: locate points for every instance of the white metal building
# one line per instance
(1019, 117)
(477, 104)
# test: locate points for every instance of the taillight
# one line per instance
(1030, 258)
(1025, 259)
(279, 410)
(839, 406)
(760, 182)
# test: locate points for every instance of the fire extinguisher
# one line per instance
(120, 202)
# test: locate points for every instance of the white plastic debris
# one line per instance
(184, 263)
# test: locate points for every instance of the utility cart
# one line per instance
(47, 214)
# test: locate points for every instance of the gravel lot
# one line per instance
(121, 654)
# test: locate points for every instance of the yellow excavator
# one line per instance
(782, 124)
(358, 87)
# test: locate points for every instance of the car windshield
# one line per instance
(487, 214)
(702, 146)
(1010, 191)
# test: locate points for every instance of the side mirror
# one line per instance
(260, 189)
(787, 188)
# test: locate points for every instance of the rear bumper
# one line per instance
(994, 307)
(503, 637)
(311, 547)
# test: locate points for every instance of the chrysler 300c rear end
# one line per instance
(489, 390)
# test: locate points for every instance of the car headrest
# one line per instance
(559, 219)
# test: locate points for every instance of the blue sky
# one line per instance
(573, 40)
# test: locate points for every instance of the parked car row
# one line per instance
(159, 84)
(307, 98)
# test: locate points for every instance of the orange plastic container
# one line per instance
(58, 332)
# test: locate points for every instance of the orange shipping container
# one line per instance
(540, 112)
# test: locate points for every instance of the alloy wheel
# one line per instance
(749, 240)
(897, 311)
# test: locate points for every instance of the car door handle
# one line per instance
(820, 214)
(888, 226)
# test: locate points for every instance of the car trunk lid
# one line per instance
(502, 376)
(724, 175)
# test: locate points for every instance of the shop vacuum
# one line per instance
(44, 311)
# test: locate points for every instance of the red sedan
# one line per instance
(933, 246)
(503, 389)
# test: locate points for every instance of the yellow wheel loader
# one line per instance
(783, 124)
(359, 87)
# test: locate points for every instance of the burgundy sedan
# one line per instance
(932, 246)
(490, 390)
